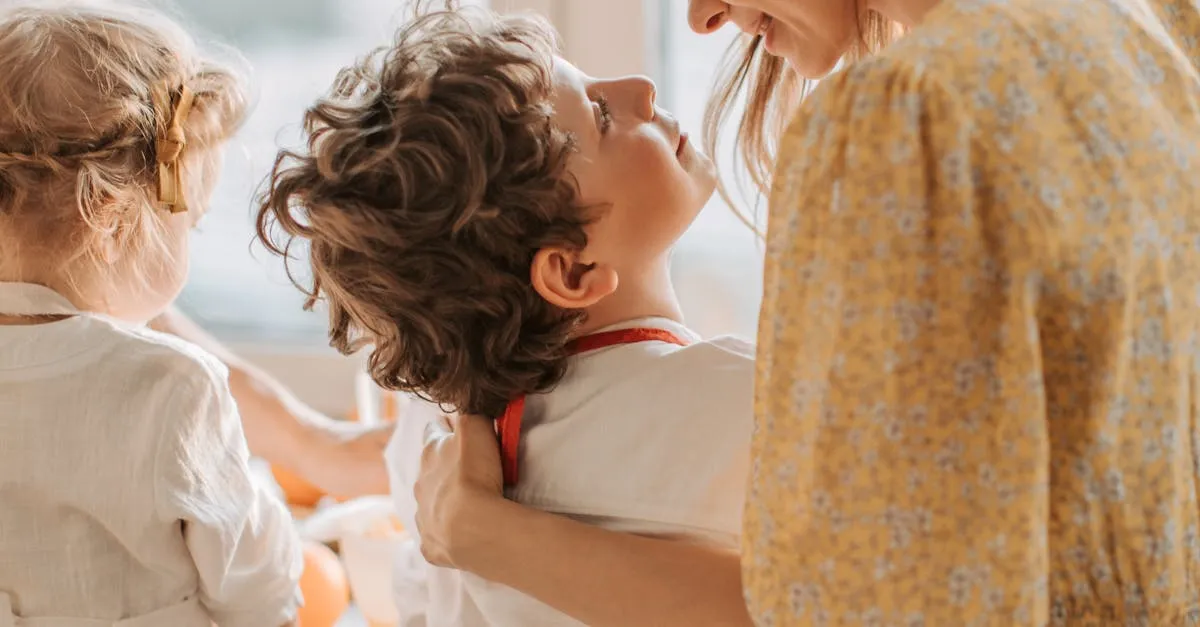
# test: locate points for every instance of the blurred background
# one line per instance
(293, 49)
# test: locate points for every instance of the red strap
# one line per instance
(509, 426)
(509, 423)
(606, 339)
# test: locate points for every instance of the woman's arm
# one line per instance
(603, 577)
(599, 577)
(903, 440)
(339, 457)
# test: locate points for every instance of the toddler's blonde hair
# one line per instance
(82, 86)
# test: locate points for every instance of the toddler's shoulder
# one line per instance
(163, 366)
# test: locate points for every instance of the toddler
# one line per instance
(498, 225)
(125, 494)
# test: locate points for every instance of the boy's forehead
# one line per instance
(565, 73)
(570, 86)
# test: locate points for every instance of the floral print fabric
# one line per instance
(977, 382)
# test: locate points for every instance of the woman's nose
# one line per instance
(707, 16)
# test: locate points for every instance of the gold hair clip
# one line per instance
(169, 148)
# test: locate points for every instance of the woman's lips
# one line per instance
(683, 140)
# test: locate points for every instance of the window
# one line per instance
(293, 49)
(237, 290)
(718, 264)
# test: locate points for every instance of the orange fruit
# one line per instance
(296, 490)
(326, 591)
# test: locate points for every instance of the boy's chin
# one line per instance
(698, 208)
(707, 190)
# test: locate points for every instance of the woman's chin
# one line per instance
(811, 67)
(808, 59)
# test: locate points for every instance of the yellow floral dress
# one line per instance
(978, 375)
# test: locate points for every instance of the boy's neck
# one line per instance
(650, 294)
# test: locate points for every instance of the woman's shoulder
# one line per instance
(992, 35)
(979, 46)
(995, 65)
(995, 51)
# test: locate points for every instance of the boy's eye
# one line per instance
(605, 113)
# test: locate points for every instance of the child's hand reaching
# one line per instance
(344, 458)
(338, 457)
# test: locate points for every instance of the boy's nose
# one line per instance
(646, 95)
(636, 94)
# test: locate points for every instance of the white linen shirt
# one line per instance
(125, 491)
(648, 438)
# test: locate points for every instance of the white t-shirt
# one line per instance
(125, 490)
(648, 438)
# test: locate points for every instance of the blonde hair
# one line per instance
(772, 92)
(81, 109)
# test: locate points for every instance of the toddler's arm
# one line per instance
(241, 539)
(341, 458)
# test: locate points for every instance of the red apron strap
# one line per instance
(606, 339)
(508, 425)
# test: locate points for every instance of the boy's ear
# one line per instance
(564, 281)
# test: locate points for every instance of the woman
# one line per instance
(338, 457)
(977, 356)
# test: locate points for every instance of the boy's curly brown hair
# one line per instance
(432, 175)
